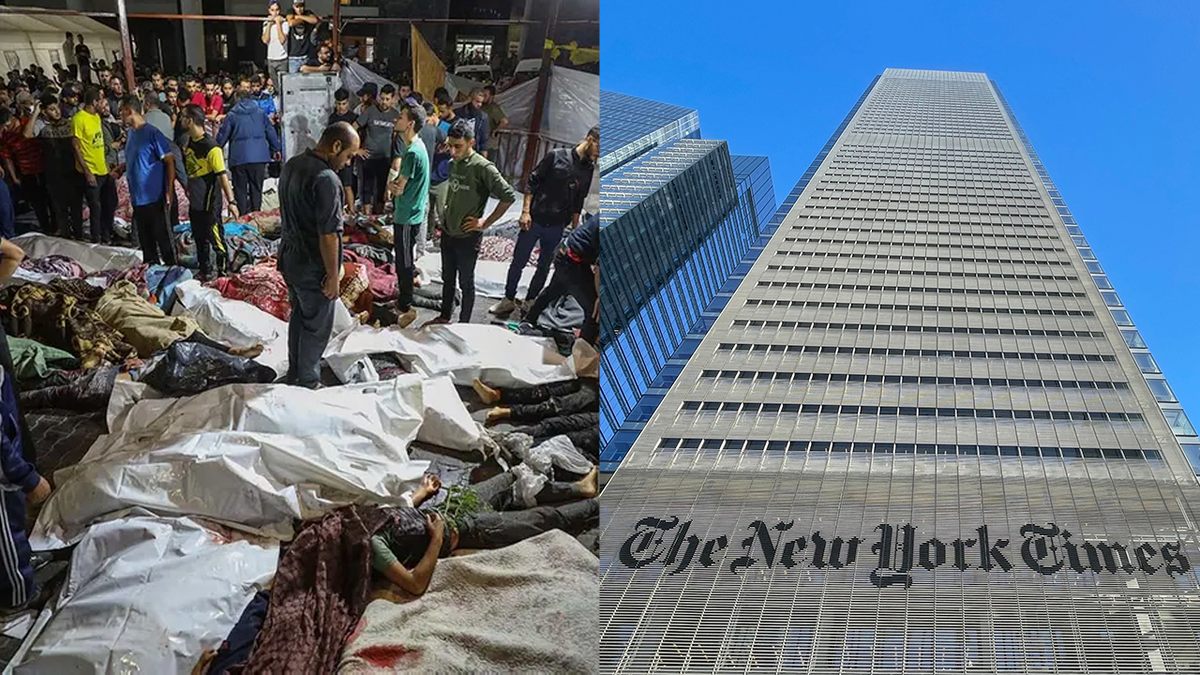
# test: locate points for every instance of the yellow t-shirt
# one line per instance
(86, 127)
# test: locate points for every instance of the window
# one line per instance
(1179, 423)
(1161, 391)
(1110, 298)
(1192, 452)
(1122, 317)
(1103, 283)
(1133, 339)
(1146, 363)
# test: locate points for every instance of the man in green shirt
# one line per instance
(408, 181)
(472, 180)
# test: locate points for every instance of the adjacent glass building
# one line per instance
(679, 215)
(922, 434)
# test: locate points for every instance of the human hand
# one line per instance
(278, 157)
(596, 310)
(472, 224)
(364, 153)
(90, 177)
(331, 287)
(435, 526)
(233, 211)
(16, 179)
(39, 493)
(526, 220)
(431, 483)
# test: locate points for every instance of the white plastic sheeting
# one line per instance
(255, 455)
(464, 351)
(447, 422)
(147, 595)
(91, 257)
(572, 104)
(234, 323)
(490, 276)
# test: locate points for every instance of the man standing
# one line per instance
(68, 52)
(116, 92)
(577, 274)
(343, 113)
(433, 135)
(554, 198)
(497, 119)
(253, 143)
(472, 180)
(160, 120)
(262, 99)
(275, 36)
(99, 189)
(207, 180)
(57, 138)
(409, 181)
(376, 124)
(473, 112)
(310, 253)
(151, 169)
(301, 23)
(83, 58)
(24, 160)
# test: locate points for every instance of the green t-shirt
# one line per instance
(411, 204)
(472, 181)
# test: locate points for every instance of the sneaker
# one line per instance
(525, 328)
(406, 318)
(504, 307)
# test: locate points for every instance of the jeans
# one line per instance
(102, 206)
(247, 186)
(294, 63)
(547, 237)
(208, 233)
(577, 280)
(275, 70)
(437, 209)
(459, 255)
(503, 527)
(309, 329)
(150, 222)
(406, 265)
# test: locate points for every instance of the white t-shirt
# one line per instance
(275, 50)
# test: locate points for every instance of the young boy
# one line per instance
(472, 180)
(206, 172)
(375, 127)
(409, 183)
(342, 113)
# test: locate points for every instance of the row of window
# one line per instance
(896, 328)
(901, 197)
(928, 231)
(918, 308)
(920, 289)
(758, 408)
(738, 444)
(916, 272)
(895, 209)
(939, 258)
(931, 176)
(897, 351)
(884, 242)
(909, 379)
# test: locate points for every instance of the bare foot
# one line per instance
(589, 485)
(487, 394)
(248, 352)
(498, 414)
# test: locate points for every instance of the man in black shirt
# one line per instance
(575, 273)
(343, 113)
(83, 58)
(474, 112)
(310, 253)
(301, 26)
(553, 199)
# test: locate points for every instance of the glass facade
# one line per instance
(634, 126)
(921, 433)
(676, 223)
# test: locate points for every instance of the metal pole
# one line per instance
(256, 19)
(126, 48)
(336, 25)
(539, 103)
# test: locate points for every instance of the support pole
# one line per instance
(126, 48)
(336, 26)
(539, 103)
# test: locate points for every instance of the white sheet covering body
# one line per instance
(91, 257)
(464, 351)
(147, 595)
(490, 276)
(234, 323)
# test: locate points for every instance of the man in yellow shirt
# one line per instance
(99, 188)
(207, 181)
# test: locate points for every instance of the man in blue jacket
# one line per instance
(253, 143)
(20, 482)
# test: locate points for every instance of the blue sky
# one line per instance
(1107, 93)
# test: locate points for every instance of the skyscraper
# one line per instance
(923, 434)
(679, 216)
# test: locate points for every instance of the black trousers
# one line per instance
(557, 426)
(151, 223)
(504, 526)
(102, 206)
(459, 256)
(539, 392)
(202, 339)
(577, 280)
(587, 399)
(66, 206)
(374, 181)
(33, 190)
(208, 234)
(309, 329)
(406, 263)
(247, 186)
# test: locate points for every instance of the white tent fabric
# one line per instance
(39, 38)
(148, 594)
(572, 104)
(464, 351)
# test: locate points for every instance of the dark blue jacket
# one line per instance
(249, 133)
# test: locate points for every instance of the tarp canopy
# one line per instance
(572, 104)
(29, 39)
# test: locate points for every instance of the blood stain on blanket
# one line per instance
(388, 656)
